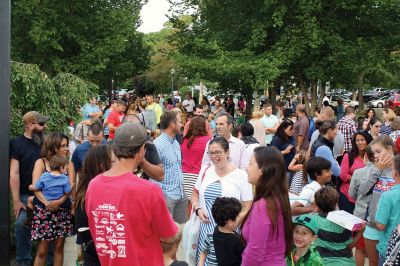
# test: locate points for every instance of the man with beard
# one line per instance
(24, 151)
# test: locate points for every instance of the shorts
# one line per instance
(371, 233)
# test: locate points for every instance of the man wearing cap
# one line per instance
(127, 215)
(24, 151)
(170, 152)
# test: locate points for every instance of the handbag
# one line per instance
(190, 236)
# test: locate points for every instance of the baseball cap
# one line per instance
(34, 116)
(307, 221)
(130, 135)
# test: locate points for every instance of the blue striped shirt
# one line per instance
(171, 158)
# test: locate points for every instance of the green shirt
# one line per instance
(332, 242)
(310, 258)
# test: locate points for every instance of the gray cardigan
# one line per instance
(358, 178)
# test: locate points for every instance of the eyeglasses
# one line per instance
(40, 124)
(216, 153)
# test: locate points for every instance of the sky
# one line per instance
(153, 15)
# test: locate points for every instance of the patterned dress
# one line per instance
(213, 191)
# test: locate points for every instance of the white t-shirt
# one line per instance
(191, 103)
(306, 196)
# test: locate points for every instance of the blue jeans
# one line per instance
(23, 239)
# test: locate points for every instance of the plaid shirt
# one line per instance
(171, 158)
(348, 127)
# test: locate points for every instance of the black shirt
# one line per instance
(26, 151)
(151, 156)
(228, 248)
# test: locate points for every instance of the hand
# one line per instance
(18, 205)
(288, 148)
(203, 216)
(297, 156)
(53, 205)
(385, 162)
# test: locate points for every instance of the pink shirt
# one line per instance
(346, 173)
(191, 157)
(264, 245)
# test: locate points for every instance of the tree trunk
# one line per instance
(272, 96)
(314, 88)
(248, 95)
(304, 90)
(360, 84)
(322, 93)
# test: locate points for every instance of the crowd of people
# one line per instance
(127, 179)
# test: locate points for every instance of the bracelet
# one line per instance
(196, 211)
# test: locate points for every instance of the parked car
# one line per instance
(346, 101)
(393, 101)
(379, 103)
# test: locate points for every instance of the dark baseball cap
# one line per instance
(34, 116)
(130, 135)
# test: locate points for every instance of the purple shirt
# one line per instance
(264, 245)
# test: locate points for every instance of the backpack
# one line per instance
(151, 119)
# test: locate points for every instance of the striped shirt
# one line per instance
(171, 158)
(208, 247)
(297, 183)
(386, 129)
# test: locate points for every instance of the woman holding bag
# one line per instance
(222, 179)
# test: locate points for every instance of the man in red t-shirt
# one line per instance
(128, 216)
(114, 119)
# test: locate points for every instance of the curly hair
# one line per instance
(225, 209)
(52, 144)
(354, 152)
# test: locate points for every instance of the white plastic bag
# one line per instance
(190, 237)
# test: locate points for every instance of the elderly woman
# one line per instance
(221, 179)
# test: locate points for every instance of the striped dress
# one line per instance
(209, 248)
(213, 191)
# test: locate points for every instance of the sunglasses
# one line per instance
(40, 124)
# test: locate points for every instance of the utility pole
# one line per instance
(5, 8)
(172, 81)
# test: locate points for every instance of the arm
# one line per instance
(96, 114)
(155, 171)
(294, 166)
(111, 127)
(202, 258)
(14, 185)
(369, 183)
(71, 175)
(383, 212)
(205, 162)
(353, 189)
(37, 172)
(245, 210)
(345, 175)
(194, 200)
(299, 142)
(297, 209)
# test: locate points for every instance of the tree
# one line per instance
(92, 39)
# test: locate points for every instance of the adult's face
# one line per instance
(178, 124)
(149, 99)
(375, 128)
(253, 171)
(93, 100)
(198, 112)
(64, 149)
(332, 133)
(361, 142)
(95, 140)
(223, 129)
(288, 131)
(371, 113)
(217, 103)
(158, 100)
(268, 110)
(217, 155)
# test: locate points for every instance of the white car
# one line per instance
(380, 103)
(346, 102)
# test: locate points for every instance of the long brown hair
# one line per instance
(197, 127)
(52, 144)
(272, 187)
(97, 161)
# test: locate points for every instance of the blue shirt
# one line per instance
(53, 187)
(325, 152)
(171, 158)
(388, 214)
(80, 153)
(88, 108)
(106, 114)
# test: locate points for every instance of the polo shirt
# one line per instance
(80, 153)
(269, 121)
(388, 214)
(237, 149)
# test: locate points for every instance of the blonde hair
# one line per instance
(257, 115)
(328, 113)
(390, 114)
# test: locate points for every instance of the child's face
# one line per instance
(325, 176)
(302, 236)
(232, 224)
(64, 169)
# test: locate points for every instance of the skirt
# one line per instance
(189, 180)
(48, 225)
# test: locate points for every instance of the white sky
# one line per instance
(153, 15)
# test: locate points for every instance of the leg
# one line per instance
(171, 205)
(370, 247)
(50, 254)
(41, 253)
(58, 251)
(30, 202)
(23, 237)
(360, 257)
(179, 213)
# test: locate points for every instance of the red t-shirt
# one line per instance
(127, 217)
(114, 118)
(191, 158)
